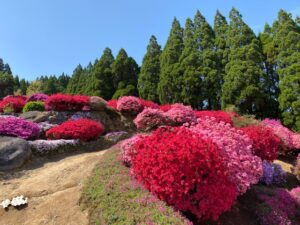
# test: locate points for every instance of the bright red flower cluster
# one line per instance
(112, 103)
(64, 102)
(165, 107)
(149, 104)
(266, 144)
(129, 104)
(218, 115)
(185, 170)
(82, 129)
(16, 103)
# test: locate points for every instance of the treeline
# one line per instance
(208, 67)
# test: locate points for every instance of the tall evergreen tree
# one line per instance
(150, 70)
(242, 86)
(287, 41)
(208, 66)
(102, 84)
(6, 84)
(170, 83)
(73, 87)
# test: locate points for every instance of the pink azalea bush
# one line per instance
(180, 114)
(295, 193)
(150, 118)
(244, 168)
(296, 140)
(18, 127)
(128, 150)
(129, 104)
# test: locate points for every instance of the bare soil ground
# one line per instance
(53, 187)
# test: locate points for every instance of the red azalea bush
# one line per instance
(128, 150)
(15, 103)
(150, 118)
(112, 103)
(219, 115)
(82, 129)
(65, 102)
(180, 114)
(149, 104)
(185, 170)
(15, 96)
(244, 168)
(266, 144)
(165, 108)
(129, 104)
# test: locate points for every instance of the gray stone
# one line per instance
(97, 103)
(36, 116)
(13, 152)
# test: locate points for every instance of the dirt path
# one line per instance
(53, 191)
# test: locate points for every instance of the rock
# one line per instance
(13, 152)
(116, 136)
(97, 103)
(36, 116)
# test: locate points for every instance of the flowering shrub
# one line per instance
(112, 103)
(185, 170)
(265, 143)
(37, 97)
(34, 106)
(244, 168)
(48, 146)
(296, 169)
(282, 132)
(218, 115)
(165, 108)
(82, 129)
(128, 150)
(278, 207)
(180, 114)
(296, 140)
(129, 104)
(273, 174)
(18, 127)
(64, 102)
(15, 96)
(295, 193)
(149, 104)
(150, 118)
(14, 103)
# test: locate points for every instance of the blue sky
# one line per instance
(53, 36)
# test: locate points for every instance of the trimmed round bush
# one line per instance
(129, 104)
(34, 106)
(18, 127)
(185, 170)
(266, 144)
(40, 97)
(244, 168)
(82, 129)
(218, 115)
(150, 118)
(64, 102)
(12, 104)
(128, 150)
(180, 114)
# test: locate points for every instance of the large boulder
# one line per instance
(36, 116)
(97, 103)
(13, 152)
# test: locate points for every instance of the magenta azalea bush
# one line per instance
(129, 104)
(180, 114)
(295, 193)
(128, 150)
(244, 168)
(37, 97)
(18, 127)
(150, 118)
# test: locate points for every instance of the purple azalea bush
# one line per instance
(273, 174)
(37, 97)
(47, 146)
(18, 127)
(81, 115)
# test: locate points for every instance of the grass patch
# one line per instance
(114, 198)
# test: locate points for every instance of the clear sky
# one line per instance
(44, 37)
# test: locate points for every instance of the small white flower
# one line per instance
(19, 200)
(5, 203)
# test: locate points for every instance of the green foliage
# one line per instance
(170, 84)
(34, 106)
(113, 198)
(34, 88)
(150, 70)
(6, 84)
(123, 90)
(73, 85)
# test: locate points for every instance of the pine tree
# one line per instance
(102, 84)
(150, 70)
(6, 84)
(170, 83)
(73, 85)
(208, 66)
(16, 83)
(287, 41)
(242, 86)
(125, 73)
